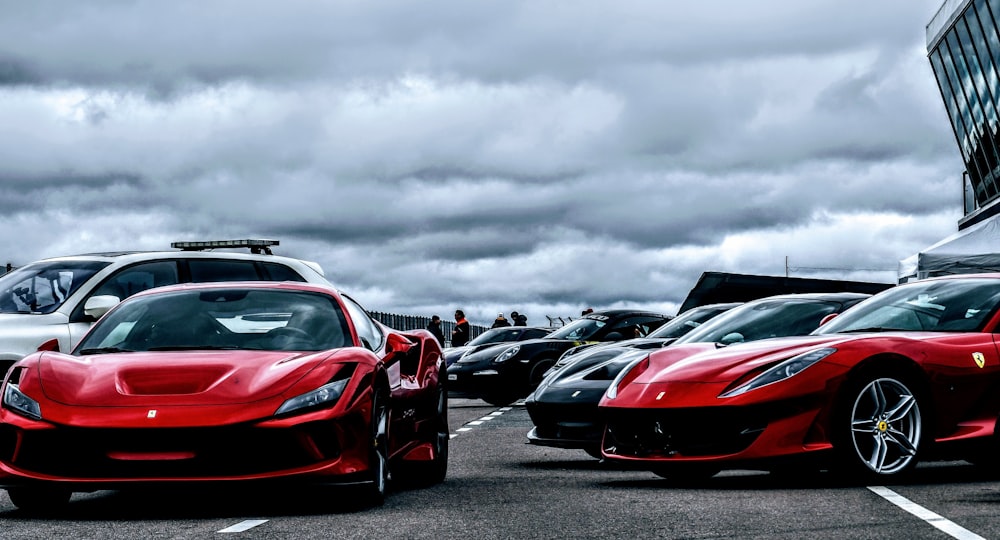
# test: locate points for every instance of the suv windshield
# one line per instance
(42, 287)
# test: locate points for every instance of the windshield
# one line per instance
(42, 287)
(221, 319)
(763, 319)
(496, 335)
(687, 321)
(954, 305)
(580, 329)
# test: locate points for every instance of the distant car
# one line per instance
(505, 334)
(503, 373)
(60, 298)
(564, 407)
(230, 382)
(661, 337)
(909, 374)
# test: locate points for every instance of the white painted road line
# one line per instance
(948, 527)
(244, 526)
(481, 421)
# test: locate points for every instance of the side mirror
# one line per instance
(732, 337)
(97, 306)
(828, 318)
(396, 344)
(50, 345)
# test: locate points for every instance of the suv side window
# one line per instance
(280, 272)
(131, 280)
(203, 270)
(369, 332)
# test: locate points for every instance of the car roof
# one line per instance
(126, 257)
(623, 312)
(282, 285)
(832, 297)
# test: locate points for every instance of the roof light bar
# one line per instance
(255, 245)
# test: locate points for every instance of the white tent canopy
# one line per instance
(975, 249)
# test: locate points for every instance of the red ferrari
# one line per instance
(912, 373)
(226, 383)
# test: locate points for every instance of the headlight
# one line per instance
(20, 403)
(325, 395)
(782, 371)
(508, 354)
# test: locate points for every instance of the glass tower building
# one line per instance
(963, 46)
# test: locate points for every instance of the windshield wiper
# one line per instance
(873, 329)
(194, 348)
(104, 350)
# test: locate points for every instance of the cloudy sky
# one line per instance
(531, 155)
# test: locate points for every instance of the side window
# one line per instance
(280, 272)
(130, 280)
(369, 332)
(203, 271)
(138, 278)
(637, 326)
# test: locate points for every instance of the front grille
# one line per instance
(208, 452)
(571, 421)
(682, 432)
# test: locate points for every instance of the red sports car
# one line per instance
(911, 373)
(226, 383)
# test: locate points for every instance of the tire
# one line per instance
(373, 494)
(39, 500)
(878, 429)
(423, 474)
(594, 452)
(537, 372)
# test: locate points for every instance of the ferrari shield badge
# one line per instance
(979, 358)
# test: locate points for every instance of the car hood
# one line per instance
(705, 363)
(172, 378)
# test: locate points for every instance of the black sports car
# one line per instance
(503, 373)
(564, 406)
(493, 336)
(661, 337)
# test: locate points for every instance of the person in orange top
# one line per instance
(460, 335)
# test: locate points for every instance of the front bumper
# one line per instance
(478, 380)
(727, 435)
(311, 449)
(567, 418)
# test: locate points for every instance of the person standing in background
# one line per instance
(460, 335)
(500, 321)
(434, 327)
(518, 319)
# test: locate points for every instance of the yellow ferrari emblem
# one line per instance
(979, 358)
(883, 426)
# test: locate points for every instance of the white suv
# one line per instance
(60, 298)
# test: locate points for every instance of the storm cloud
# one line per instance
(538, 156)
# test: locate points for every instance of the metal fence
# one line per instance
(415, 322)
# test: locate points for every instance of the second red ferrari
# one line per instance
(912, 373)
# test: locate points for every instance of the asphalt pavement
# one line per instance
(500, 487)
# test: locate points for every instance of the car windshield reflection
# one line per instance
(221, 319)
(957, 305)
